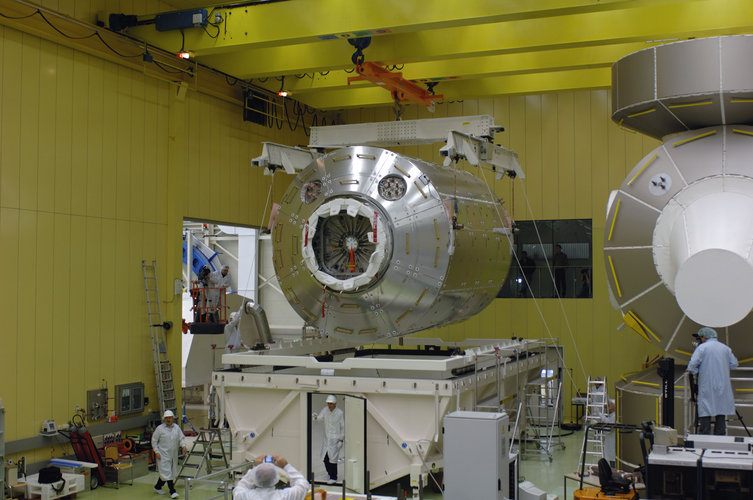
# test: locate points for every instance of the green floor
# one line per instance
(535, 467)
(547, 475)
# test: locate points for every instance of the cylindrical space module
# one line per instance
(371, 244)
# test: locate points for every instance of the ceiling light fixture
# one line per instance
(282, 92)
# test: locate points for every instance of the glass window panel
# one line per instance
(566, 246)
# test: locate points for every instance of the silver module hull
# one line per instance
(370, 244)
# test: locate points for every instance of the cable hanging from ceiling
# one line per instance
(300, 111)
(279, 113)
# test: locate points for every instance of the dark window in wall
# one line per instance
(571, 263)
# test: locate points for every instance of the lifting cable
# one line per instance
(535, 300)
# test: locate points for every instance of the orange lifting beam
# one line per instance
(402, 90)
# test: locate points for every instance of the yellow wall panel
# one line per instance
(61, 314)
(46, 126)
(148, 155)
(106, 144)
(27, 321)
(120, 273)
(108, 293)
(45, 295)
(565, 139)
(580, 185)
(92, 277)
(73, 301)
(549, 146)
(29, 160)
(136, 166)
(599, 178)
(80, 122)
(77, 312)
(9, 234)
(159, 94)
(125, 131)
(135, 323)
(64, 127)
(10, 119)
(67, 6)
(535, 173)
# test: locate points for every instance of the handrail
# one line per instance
(203, 309)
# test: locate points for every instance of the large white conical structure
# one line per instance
(679, 230)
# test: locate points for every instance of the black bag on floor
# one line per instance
(50, 475)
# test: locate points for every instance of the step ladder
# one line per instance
(163, 370)
(207, 448)
(540, 399)
(597, 409)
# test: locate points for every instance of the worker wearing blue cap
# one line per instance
(712, 362)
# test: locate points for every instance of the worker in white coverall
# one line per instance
(712, 361)
(609, 436)
(167, 439)
(259, 483)
(334, 433)
(219, 283)
(232, 335)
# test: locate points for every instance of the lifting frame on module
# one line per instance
(266, 399)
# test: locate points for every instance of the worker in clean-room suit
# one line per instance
(712, 362)
(167, 439)
(334, 433)
(219, 283)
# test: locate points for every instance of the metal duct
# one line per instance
(253, 325)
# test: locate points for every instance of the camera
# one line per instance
(269, 460)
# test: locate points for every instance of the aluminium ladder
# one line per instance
(539, 397)
(163, 370)
(597, 408)
(207, 447)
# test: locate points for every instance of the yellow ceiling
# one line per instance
(475, 48)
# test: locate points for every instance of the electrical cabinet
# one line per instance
(129, 398)
(476, 456)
